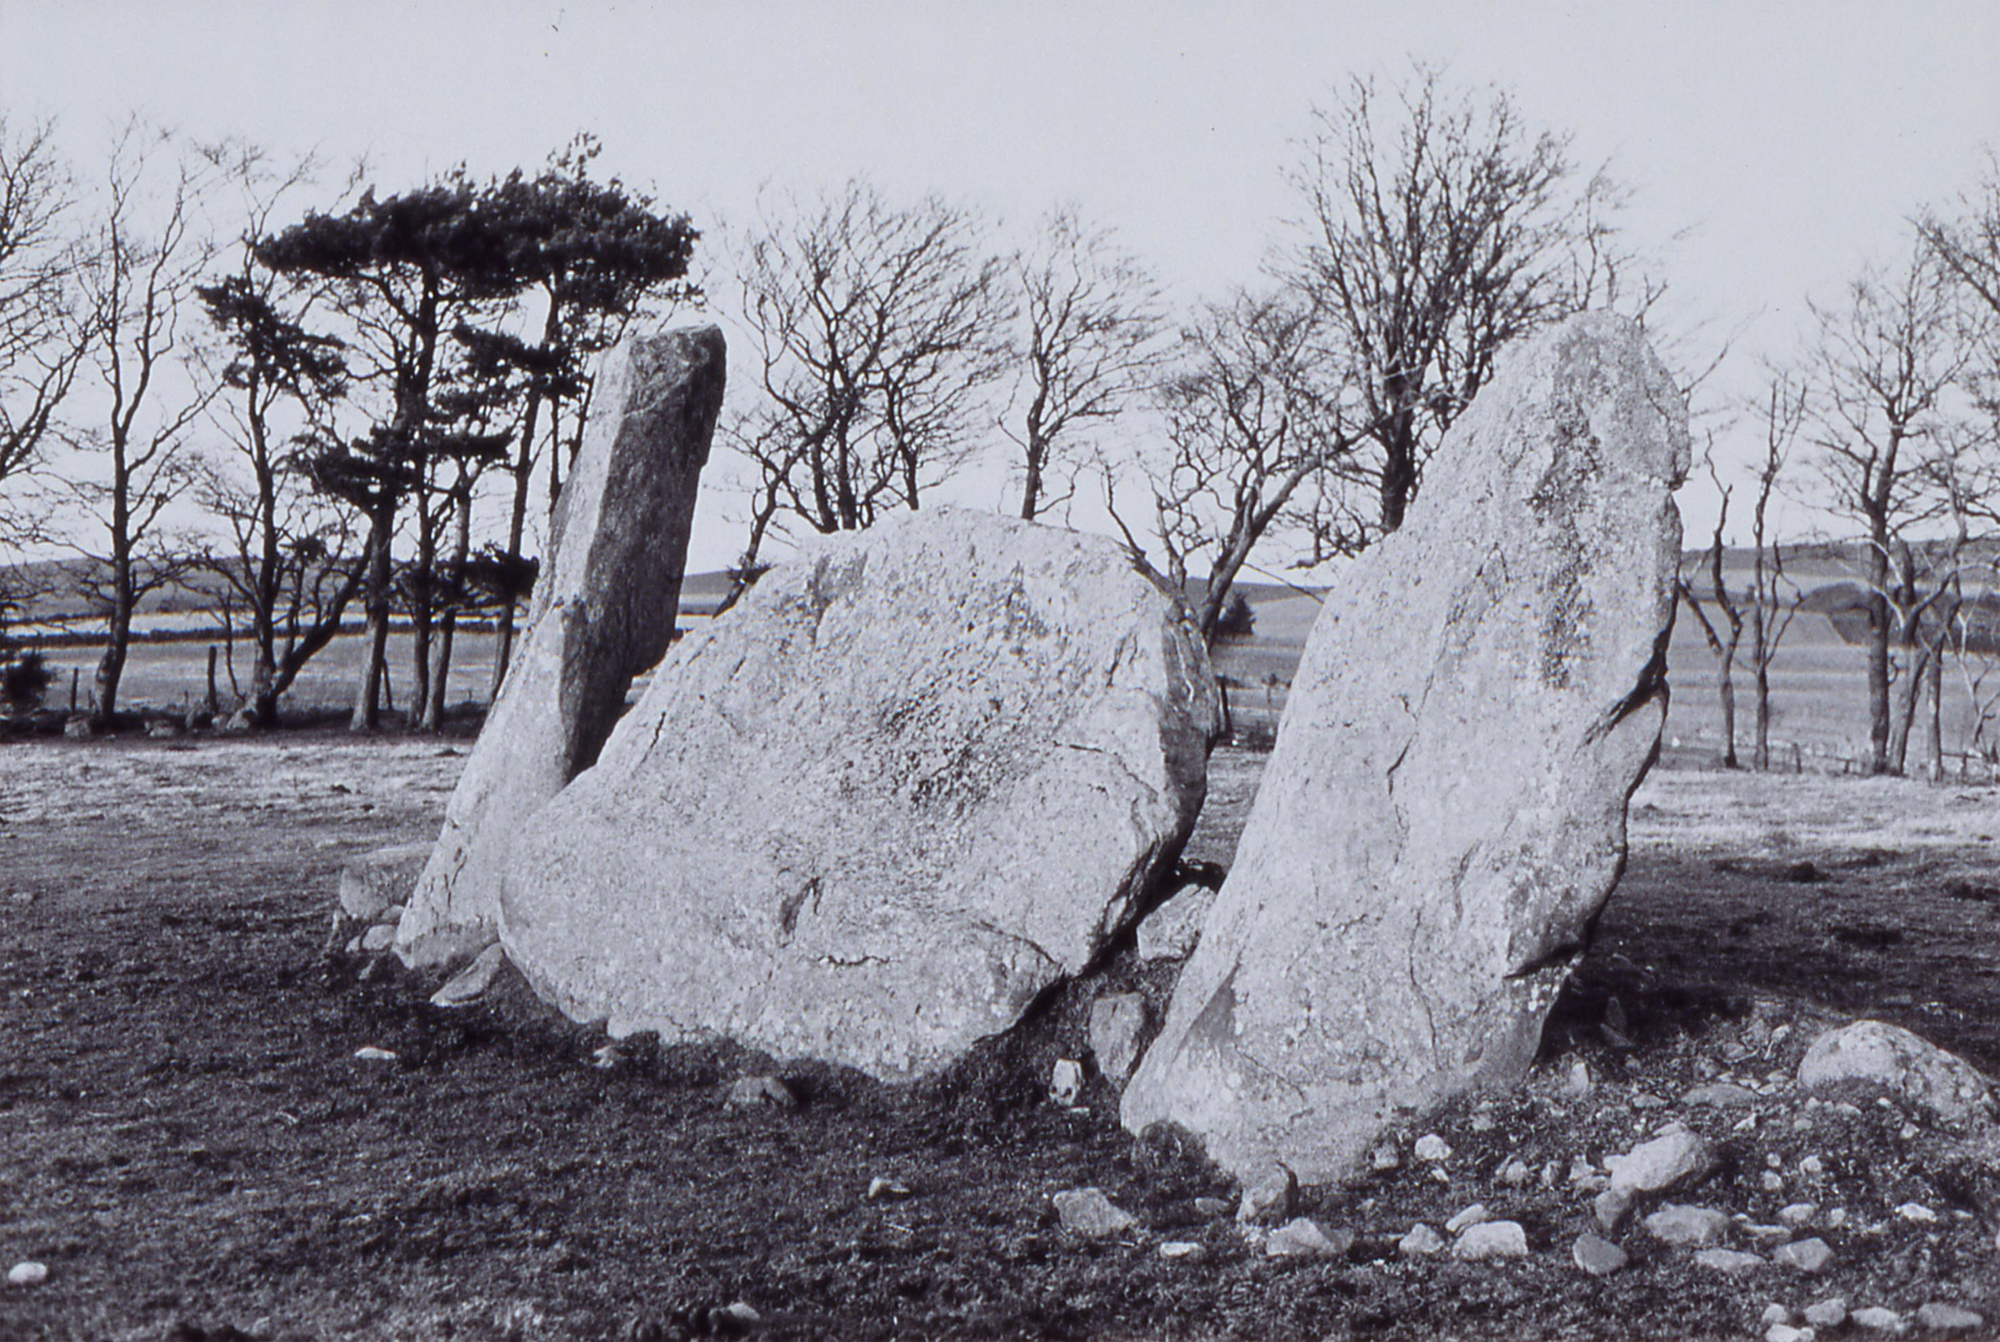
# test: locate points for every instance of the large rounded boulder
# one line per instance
(913, 779)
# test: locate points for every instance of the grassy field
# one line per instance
(1819, 704)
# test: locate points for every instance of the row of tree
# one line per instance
(1887, 425)
(367, 402)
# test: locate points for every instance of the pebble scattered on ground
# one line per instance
(27, 1274)
(1088, 1212)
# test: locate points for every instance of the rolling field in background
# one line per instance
(1818, 693)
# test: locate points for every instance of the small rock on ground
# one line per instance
(1182, 1250)
(471, 983)
(1066, 1081)
(1305, 1238)
(1785, 1332)
(27, 1274)
(1807, 1255)
(1668, 1161)
(1088, 1212)
(369, 1053)
(1879, 1319)
(1433, 1148)
(1420, 1242)
(882, 1189)
(1471, 1216)
(1830, 1313)
(1732, 1261)
(1597, 1256)
(1610, 1207)
(1269, 1200)
(1721, 1095)
(1941, 1317)
(1116, 1022)
(1679, 1224)
(1491, 1239)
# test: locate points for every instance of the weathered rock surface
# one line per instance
(1888, 1058)
(1444, 812)
(372, 884)
(911, 780)
(1087, 1212)
(1674, 1159)
(1116, 1021)
(1170, 931)
(603, 612)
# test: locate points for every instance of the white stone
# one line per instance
(1432, 1148)
(473, 982)
(1785, 1332)
(1269, 1200)
(1170, 931)
(1731, 1261)
(1807, 1255)
(1419, 1242)
(1698, 1227)
(1669, 1161)
(1182, 1250)
(1597, 1256)
(1088, 1212)
(1116, 1021)
(1798, 1213)
(1941, 1317)
(1879, 1319)
(1917, 1212)
(1829, 1313)
(370, 1053)
(1491, 1239)
(1066, 1081)
(918, 775)
(1304, 1237)
(27, 1274)
(1395, 927)
(1471, 1216)
(1887, 1057)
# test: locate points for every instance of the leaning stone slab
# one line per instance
(1875, 1055)
(1443, 814)
(604, 611)
(914, 778)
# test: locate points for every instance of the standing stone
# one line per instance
(603, 612)
(1444, 812)
(913, 779)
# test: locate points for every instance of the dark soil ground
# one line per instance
(190, 1145)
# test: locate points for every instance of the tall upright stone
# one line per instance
(1443, 814)
(918, 775)
(603, 612)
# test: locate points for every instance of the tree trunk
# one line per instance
(1878, 666)
(1760, 664)
(368, 698)
(1725, 684)
(111, 667)
(440, 673)
(1934, 725)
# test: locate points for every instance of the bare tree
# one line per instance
(1885, 364)
(1090, 320)
(145, 256)
(41, 340)
(1723, 641)
(878, 329)
(1438, 229)
(1774, 598)
(285, 559)
(1256, 441)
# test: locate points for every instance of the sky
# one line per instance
(1772, 148)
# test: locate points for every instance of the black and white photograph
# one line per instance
(908, 669)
